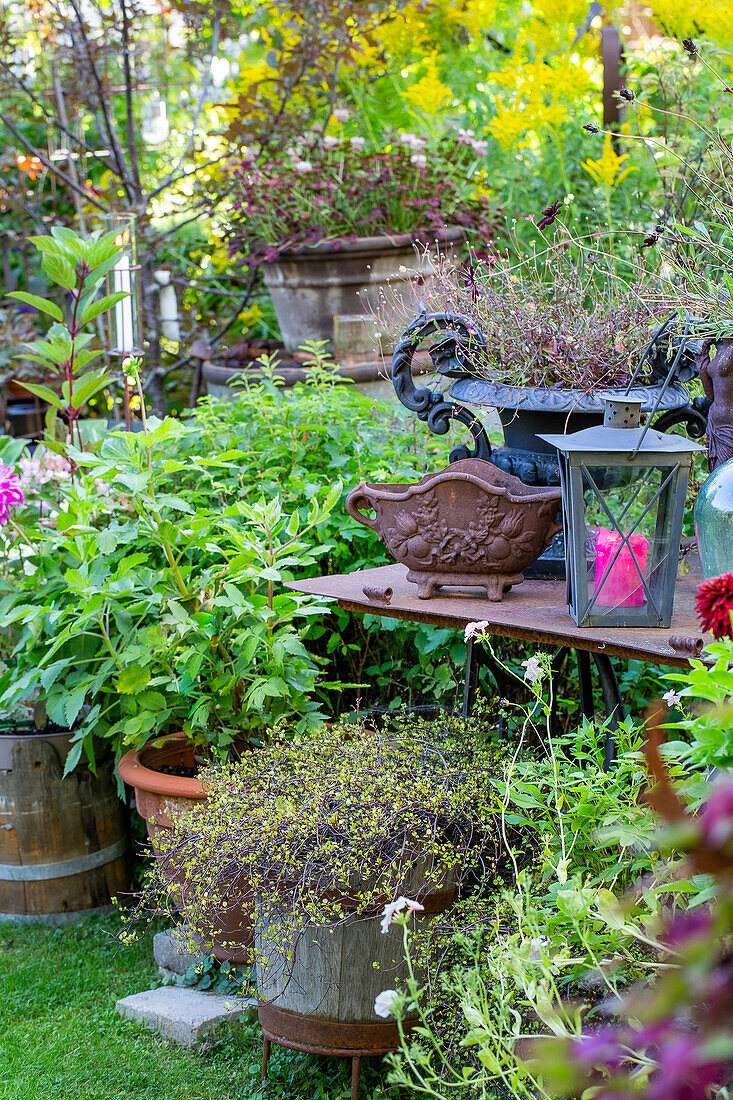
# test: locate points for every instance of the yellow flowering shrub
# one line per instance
(607, 170)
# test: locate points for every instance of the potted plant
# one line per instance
(544, 340)
(63, 837)
(318, 842)
(334, 220)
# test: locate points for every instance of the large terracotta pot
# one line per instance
(309, 286)
(161, 798)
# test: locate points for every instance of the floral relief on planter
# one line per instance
(470, 524)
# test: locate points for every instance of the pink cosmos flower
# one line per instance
(384, 1002)
(11, 495)
(393, 907)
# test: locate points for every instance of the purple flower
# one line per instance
(687, 926)
(689, 46)
(626, 94)
(549, 214)
(598, 1049)
(11, 494)
(683, 1073)
(592, 128)
(716, 817)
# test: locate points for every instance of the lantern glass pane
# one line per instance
(628, 513)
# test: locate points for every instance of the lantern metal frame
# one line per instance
(581, 455)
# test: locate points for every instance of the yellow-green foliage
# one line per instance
(312, 829)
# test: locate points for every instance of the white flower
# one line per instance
(419, 160)
(303, 166)
(472, 629)
(341, 114)
(533, 670)
(465, 135)
(357, 142)
(535, 947)
(330, 142)
(393, 907)
(384, 1001)
(480, 147)
(672, 698)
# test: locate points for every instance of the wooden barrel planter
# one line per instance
(160, 797)
(63, 841)
(322, 1000)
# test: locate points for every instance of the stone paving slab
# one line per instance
(171, 955)
(184, 1015)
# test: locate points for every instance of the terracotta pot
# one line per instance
(309, 286)
(470, 524)
(160, 799)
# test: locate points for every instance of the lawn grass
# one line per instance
(61, 1039)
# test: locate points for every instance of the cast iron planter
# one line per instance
(458, 352)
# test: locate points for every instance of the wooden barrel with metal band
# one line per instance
(63, 842)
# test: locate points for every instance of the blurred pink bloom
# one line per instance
(419, 160)
(303, 166)
(341, 114)
(330, 142)
(36, 472)
(357, 142)
(11, 495)
(384, 1002)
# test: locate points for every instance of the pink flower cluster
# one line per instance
(11, 494)
(36, 472)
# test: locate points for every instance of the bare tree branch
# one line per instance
(35, 152)
(169, 179)
(122, 166)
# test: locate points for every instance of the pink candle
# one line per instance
(622, 587)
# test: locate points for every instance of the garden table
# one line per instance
(534, 611)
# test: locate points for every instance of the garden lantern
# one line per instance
(125, 329)
(623, 498)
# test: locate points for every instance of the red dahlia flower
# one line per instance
(714, 603)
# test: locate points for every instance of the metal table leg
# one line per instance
(586, 684)
(613, 703)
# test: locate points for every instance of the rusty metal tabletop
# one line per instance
(535, 611)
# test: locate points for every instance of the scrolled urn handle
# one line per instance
(358, 499)
(453, 352)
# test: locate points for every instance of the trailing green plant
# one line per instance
(549, 948)
(144, 610)
(79, 266)
(321, 829)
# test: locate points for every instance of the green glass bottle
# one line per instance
(714, 522)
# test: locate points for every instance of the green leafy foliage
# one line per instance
(146, 610)
(79, 266)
